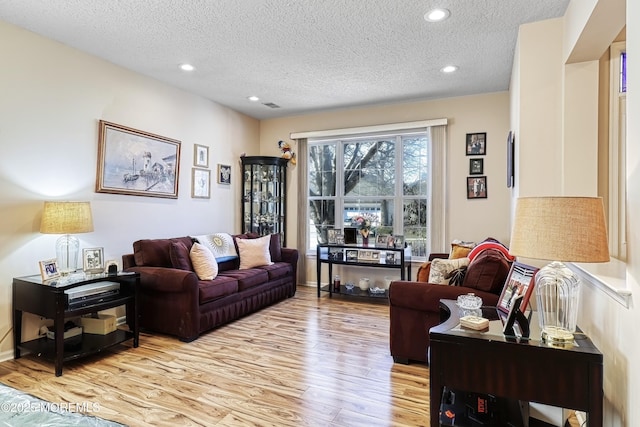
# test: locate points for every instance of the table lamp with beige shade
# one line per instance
(67, 218)
(562, 228)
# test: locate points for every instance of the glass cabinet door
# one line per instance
(263, 195)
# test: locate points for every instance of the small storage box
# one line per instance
(70, 333)
(101, 325)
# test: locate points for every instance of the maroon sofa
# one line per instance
(414, 307)
(172, 300)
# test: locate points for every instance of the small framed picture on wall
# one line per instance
(224, 174)
(477, 187)
(476, 166)
(201, 156)
(476, 144)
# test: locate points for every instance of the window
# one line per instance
(385, 178)
(617, 152)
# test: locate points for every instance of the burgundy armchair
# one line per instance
(415, 306)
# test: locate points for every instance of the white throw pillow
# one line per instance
(254, 252)
(204, 263)
(441, 268)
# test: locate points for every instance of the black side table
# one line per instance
(524, 369)
(48, 299)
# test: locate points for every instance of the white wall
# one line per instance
(583, 35)
(51, 98)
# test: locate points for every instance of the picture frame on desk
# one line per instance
(391, 258)
(49, 269)
(520, 281)
(93, 260)
(352, 255)
(332, 236)
(395, 241)
(381, 240)
(350, 236)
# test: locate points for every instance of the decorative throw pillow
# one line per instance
(460, 249)
(204, 263)
(254, 252)
(442, 268)
(488, 271)
(456, 277)
(220, 244)
(180, 256)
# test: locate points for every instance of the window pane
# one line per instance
(321, 217)
(415, 226)
(414, 162)
(369, 168)
(322, 170)
(379, 213)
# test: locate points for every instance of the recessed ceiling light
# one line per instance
(449, 69)
(187, 67)
(437, 15)
(253, 98)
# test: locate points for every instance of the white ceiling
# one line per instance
(303, 55)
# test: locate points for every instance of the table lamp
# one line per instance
(66, 218)
(570, 229)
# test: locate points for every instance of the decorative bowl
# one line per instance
(469, 302)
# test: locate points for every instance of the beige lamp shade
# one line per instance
(570, 229)
(66, 218)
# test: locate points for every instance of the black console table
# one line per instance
(513, 367)
(332, 254)
(48, 299)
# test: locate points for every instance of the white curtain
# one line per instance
(303, 220)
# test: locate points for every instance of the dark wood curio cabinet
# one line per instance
(264, 197)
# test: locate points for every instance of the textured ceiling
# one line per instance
(303, 55)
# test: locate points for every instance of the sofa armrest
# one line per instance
(290, 255)
(426, 296)
(163, 279)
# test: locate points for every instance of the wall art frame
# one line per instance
(477, 187)
(224, 174)
(200, 183)
(476, 144)
(136, 163)
(200, 156)
(511, 140)
(476, 166)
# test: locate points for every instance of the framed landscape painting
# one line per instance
(136, 163)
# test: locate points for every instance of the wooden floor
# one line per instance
(302, 362)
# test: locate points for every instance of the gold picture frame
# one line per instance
(200, 183)
(136, 163)
(49, 269)
(200, 156)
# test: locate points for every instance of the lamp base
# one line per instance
(555, 335)
(67, 248)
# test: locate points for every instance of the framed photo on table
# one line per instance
(93, 260)
(520, 281)
(49, 269)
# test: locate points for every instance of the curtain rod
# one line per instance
(368, 129)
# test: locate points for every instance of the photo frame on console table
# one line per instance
(136, 163)
(93, 260)
(520, 281)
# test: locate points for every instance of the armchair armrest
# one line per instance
(426, 296)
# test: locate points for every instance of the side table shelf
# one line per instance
(401, 261)
(49, 300)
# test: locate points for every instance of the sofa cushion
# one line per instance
(219, 287)
(278, 270)
(254, 252)
(488, 271)
(441, 269)
(204, 263)
(275, 248)
(156, 252)
(179, 255)
(247, 278)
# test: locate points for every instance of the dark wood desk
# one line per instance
(516, 368)
(49, 300)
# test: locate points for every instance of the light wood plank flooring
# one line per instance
(302, 362)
